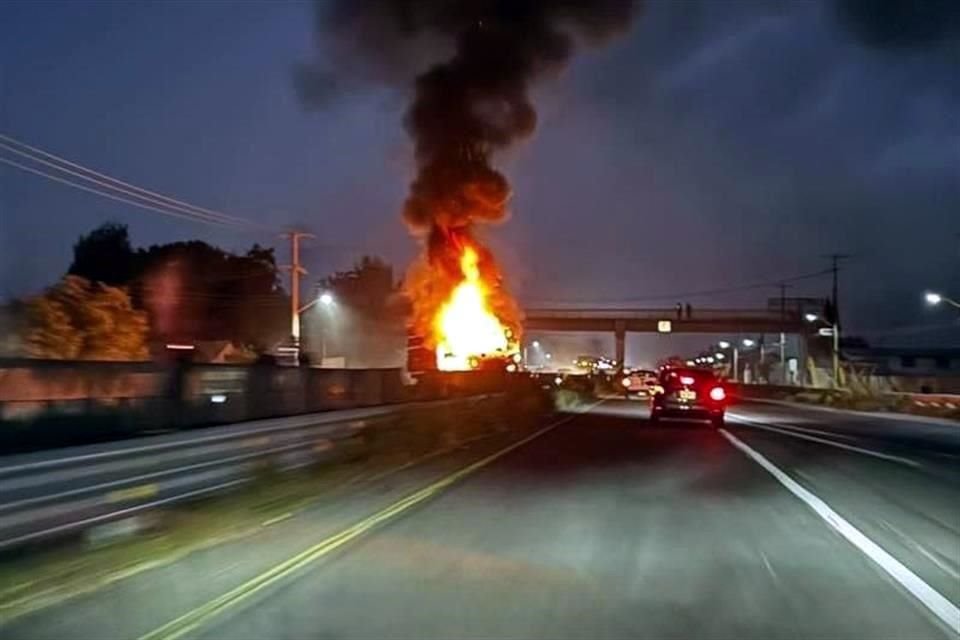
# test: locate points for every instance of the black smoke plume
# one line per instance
(472, 64)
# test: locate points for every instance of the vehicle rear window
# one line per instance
(672, 377)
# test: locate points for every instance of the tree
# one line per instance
(190, 290)
(366, 288)
(366, 324)
(81, 320)
(104, 255)
(194, 291)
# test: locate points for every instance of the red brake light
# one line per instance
(687, 380)
(718, 394)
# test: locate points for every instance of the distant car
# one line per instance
(695, 394)
(640, 383)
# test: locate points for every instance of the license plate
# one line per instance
(686, 395)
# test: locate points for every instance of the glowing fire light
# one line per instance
(466, 329)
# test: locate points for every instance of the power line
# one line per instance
(707, 292)
(163, 204)
(111, 196)
(213, 296)
(9, 140)
(910, 329)
(187, 212)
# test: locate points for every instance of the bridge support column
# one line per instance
(803, 351)
(620, 335)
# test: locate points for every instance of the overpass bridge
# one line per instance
(668, 320)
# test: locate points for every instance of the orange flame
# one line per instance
(466, 329)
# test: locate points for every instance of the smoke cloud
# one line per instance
(472, 64)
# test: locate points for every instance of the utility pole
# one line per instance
(296, 270)
(835, 259)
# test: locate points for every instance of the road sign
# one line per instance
(664, 326)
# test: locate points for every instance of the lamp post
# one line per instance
(327, 301)
(735, 352)
(834, 329)
(746, 343)
(535, 345)
(933, 299)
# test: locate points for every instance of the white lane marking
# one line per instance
(935, 560)
(817, 432)
(919, 547)
(899, 417)
(792, 427)
(840, 445)
(766, 563)
(943, 609)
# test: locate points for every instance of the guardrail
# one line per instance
(932, 400)
(50, 494)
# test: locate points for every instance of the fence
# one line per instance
(937, 404)
(48, 403)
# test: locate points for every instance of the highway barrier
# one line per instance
(931, 404)
(48, 403)
(46, 495)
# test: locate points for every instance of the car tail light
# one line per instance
(687, 380)
(718, 394)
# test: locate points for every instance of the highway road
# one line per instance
(788, 523)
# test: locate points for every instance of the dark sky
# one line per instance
(716, 144)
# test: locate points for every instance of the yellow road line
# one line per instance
(191, 620)
(274, 520)
(140, 492)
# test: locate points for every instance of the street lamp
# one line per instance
(535, 344)
(326, 300)
(833, 330)
(749, 342)
(723, 344)
(933, 299)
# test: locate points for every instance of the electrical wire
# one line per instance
(696, 294)
(75, 185)
(170, 206)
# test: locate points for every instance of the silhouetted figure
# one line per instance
(689, 311)
(679, 311)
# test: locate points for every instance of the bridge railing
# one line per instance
(660, 314)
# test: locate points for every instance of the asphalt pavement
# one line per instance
(788, 523)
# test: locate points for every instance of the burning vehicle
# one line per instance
(463, 319)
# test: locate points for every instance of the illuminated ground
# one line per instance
(603, 527)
